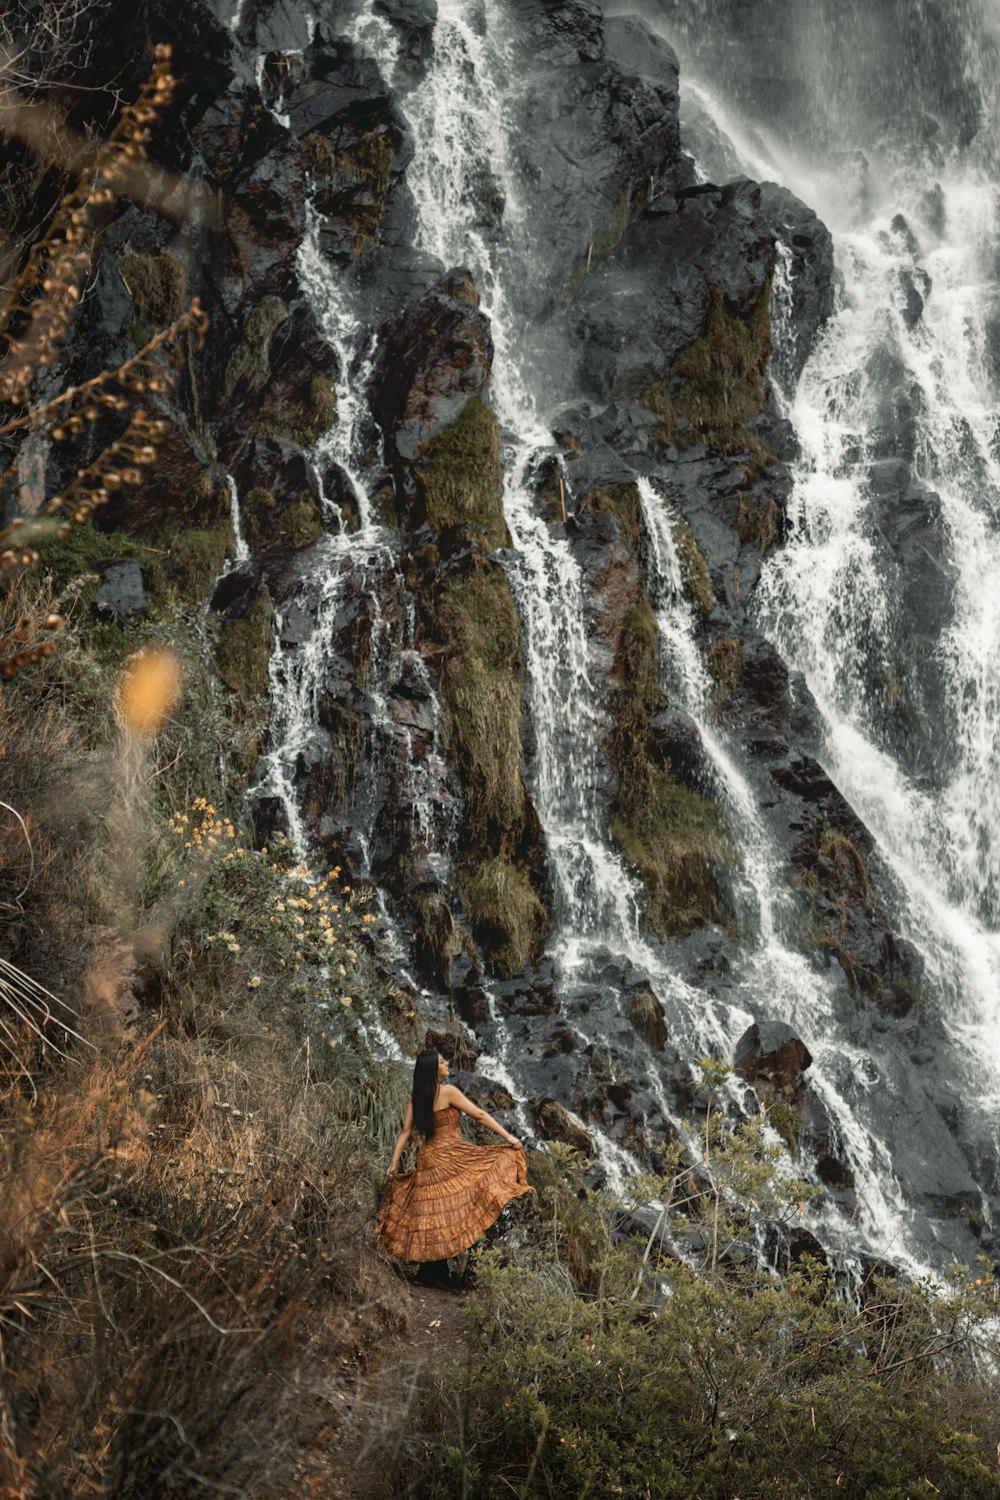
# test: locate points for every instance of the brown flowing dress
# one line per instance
(453, 1195)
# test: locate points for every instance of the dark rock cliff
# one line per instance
(658, 294)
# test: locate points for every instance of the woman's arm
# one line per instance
(401, 1140)
(451, 1095)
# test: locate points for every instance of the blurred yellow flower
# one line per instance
(149, 690)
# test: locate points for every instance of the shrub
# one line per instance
(601, 1364)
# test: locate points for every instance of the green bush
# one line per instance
(600, 1365)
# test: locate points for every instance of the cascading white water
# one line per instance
(796, 992)
(909, 213)
(459, 120)
(241, 551)
(825, 599)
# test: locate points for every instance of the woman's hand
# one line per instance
(512, 1140)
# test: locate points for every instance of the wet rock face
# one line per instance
(771, 1053)
(601, 132)
(676, 311)
(638, 312)
(431, 360)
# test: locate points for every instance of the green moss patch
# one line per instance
(482, 685)
(303, 416)
(508, 920)
(460, 476)
(717, 384)
(298, 524)
(481, 690)
(243, 652)
(176, 561)
(242, 658)
(158, 284)
(673, 837)
(248, 363)
(622, 502)
(85, 549)
(195, 558)
(694, 567)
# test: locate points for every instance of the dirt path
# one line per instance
(378, 1403)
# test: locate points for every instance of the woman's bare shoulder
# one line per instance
(450, 1094)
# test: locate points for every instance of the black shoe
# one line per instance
(434, 1275)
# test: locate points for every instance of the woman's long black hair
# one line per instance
(425, 1087)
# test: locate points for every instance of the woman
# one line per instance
(457, 1190)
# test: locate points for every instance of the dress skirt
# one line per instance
(453, 1195)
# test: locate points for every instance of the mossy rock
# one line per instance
(302, 418)
(694, 567)
(248, 364)
(460, 476)
(195, 556)
(84, 550)
(351, 181)
(675, 840)
(242, 658)
(725, 660)
(158, 284)
(646, 1014)
(481, 690)
(621, 501)
(783, 1116)
(437, 938)
(243, 650)
(508, 919)
(717, 384)
(760, 523)
(674, 837)
(298, 524)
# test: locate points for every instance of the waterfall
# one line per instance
(896, 417)
(912, 319)
(827, 598)
(241, 551)
(795, 991)
(459, 120)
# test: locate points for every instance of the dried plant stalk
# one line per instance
(35, 322)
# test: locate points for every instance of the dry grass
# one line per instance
(188, 1280)
(190, 1288)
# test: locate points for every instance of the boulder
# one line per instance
(554, 1121)
(646, 1013)
(770, 1052)
(432, 358)
(121, 591)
